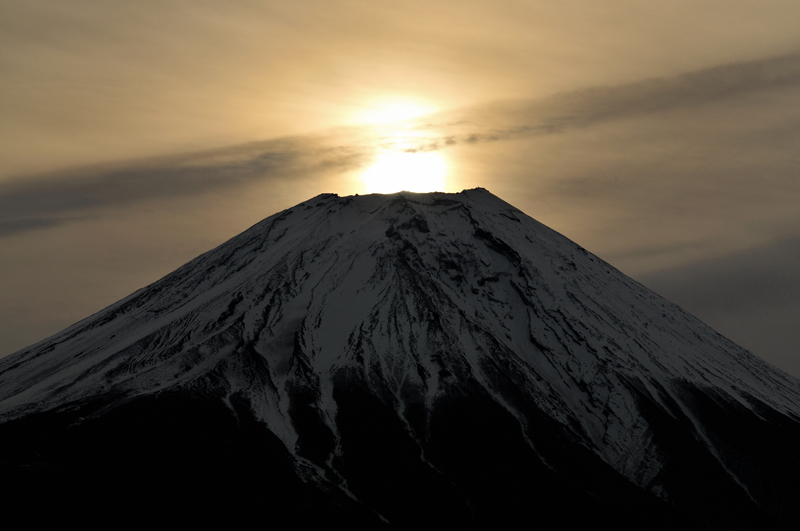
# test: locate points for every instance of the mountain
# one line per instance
(397, 360)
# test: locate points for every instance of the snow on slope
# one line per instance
(416, 293)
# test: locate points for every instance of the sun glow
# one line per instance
(408, 158)
(396, 111)
(402, 171)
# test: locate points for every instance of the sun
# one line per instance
(407, 158)
(402, 171)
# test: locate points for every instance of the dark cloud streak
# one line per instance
(44, 201)
(596, 105)
(37, 202)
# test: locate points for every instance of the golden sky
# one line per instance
(663, 136)
(107, 79)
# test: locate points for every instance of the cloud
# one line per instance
(751, 296)
(14, 226)
(763, 275)
(62, 197)
(46, 200)
(591, 106)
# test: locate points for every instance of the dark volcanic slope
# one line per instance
(402, 359)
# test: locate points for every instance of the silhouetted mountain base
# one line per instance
(188, 460)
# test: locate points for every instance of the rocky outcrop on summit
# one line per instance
(418, 357)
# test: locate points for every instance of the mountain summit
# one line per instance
(404, 359)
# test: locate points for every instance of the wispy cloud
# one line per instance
(596, 105)
(43, 201)
(37, 202)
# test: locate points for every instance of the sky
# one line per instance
(662, 136)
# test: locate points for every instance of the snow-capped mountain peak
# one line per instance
(420, 302)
